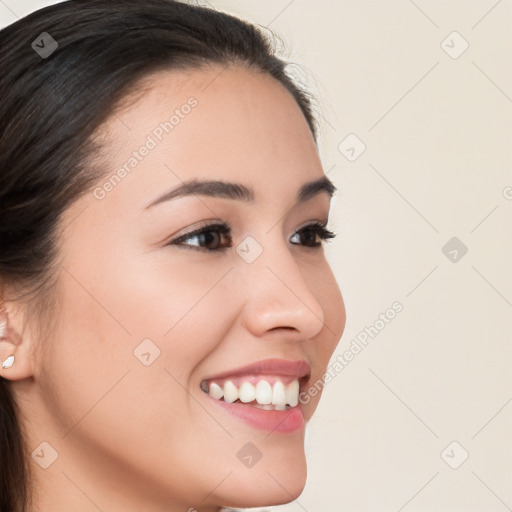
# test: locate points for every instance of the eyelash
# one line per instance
(223, 228)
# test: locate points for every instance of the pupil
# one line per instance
(310, 237)
(210, 238)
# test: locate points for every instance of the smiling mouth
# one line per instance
(264, 394)
(267, 392)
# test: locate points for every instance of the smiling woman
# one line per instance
(156, 342)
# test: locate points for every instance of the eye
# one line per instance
(312, 235)
(208, 237)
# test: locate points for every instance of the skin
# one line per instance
(131, 437)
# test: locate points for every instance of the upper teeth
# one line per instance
(278, 395)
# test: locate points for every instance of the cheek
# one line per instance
(181, 305)
(114, 315)
(104, 395)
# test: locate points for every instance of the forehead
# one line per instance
(213, 123)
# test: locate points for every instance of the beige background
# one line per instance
(437, 164)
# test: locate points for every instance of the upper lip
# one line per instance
(275, 366)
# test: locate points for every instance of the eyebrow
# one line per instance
(237, 191)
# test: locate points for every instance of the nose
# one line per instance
(279, 297)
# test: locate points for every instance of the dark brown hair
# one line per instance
(52, 103)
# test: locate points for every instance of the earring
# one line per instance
(8, 362)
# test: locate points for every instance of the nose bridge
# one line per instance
(278, 295)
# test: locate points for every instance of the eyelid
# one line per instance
(197, 228)
(217, 223)
(312, 222)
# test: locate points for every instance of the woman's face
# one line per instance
(150, 318)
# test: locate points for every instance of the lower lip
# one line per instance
(284, 422)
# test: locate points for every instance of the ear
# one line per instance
(12, 343)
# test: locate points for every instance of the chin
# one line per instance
(263, 485)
